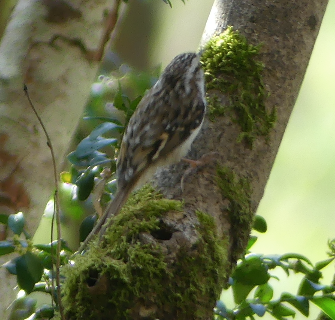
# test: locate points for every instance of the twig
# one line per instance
(59, 235)
(111, 20)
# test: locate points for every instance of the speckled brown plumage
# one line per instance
(162, 128)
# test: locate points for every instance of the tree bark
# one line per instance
(45, 46)
(192, 256)
(287, 32)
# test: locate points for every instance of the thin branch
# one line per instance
(59, 235)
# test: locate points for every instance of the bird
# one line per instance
(161, 130)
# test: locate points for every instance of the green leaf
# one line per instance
(241, 291)
(252, 271)
(327, 305)
(46, 260)
(298, 256)
(264, 293)
(29, 271)
(86, 227)
(322, 264)
(134, 103)
(42, 287)
(87, 146)
(273, 261)
(6, 247)
(16, 222)
(75, 160)
(52, 247)
(4, 218)
(103, 128)
(308, 288)
(98, 159)
(280, 311)
(251, 242)
(301, 267)
(45, 312)
(168, 2)
(85, 184)
(299, 302)
(119, 101)
(260, 224)
(22, 308)
(258, 309)
(11, 265)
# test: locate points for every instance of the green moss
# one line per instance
(133, 273)
(231, 68)
(238, 192)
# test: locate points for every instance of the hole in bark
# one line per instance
(163, 233)
(92, 278)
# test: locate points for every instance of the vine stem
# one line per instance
(56, 211)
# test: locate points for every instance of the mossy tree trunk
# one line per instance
(168, 259)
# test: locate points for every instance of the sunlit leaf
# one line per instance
(327, 305)
(264, 293)
(241, 291)
(251, 242)
(65, 177)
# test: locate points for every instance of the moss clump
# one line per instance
(238, 192)
(231, 68)
(121, 275)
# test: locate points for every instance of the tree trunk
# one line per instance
(45, 46)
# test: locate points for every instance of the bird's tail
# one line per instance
(113, 209)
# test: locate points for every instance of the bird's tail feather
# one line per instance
(113, 209)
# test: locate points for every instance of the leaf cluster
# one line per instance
(33, 268)
(253, 293)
